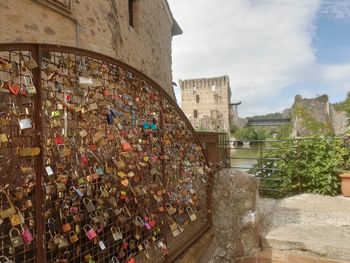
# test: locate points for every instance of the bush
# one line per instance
(305, 166)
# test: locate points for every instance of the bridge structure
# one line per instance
(268, 122)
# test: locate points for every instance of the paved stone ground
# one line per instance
(275, 256)
(318, 225)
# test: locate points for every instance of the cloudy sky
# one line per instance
(271, 49)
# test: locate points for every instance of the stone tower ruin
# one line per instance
(206, 102)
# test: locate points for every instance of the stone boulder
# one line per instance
(235, 217)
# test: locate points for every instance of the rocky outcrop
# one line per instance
(316, 116)
(235, 217)
(339, 121)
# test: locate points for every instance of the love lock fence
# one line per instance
(98, 163)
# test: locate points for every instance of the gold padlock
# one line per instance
(3, 138)
(16, 219)
(73, 237)
(5, 213)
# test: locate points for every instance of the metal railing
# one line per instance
(216, 147)
(260, 157)
(98, 163)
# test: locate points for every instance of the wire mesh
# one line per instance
(123, 177)
(17, 155)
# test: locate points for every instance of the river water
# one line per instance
(244, 151)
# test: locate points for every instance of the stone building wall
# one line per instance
(210, 97)
(101, 26)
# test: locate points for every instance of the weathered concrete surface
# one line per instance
(316, 224)
(235, 220)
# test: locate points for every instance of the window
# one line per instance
(217, 98)
(214, 114)
(197, 98)
(195, 114)
(213, 88)
(132, 12)
(194, 88)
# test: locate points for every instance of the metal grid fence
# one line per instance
(101, 163)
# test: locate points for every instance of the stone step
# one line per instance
(312, 224)
(327, 241)
(276, 256)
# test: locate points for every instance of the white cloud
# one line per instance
(336, 76)
(264, 46)
(336, 8)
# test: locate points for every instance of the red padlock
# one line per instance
(90, 232)
(27, 236)
(84, 159)
(125, 245)
(59, 140)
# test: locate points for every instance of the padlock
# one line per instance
(132, 244)
(138, 221)
(98, 136)
(126, 146)
(28, 204)
(4, 259)
(61, 241)
(78, 191)
(64, 258)
(27, 235)
(17, 219)
(3, 138)
(114, 260)
(11, 210)
(15, 237)
(89, 205)
(59, 140)
(73, 237)
(90, 232)
(104, 192)
(61, 187)
(52, 224)
(102, 245)
(121, 253)
(116, 233)
(64, 151)
(170, 209)
(66, 227)
(49, 170)
(191, 214)
(99, 170)
(25, 124)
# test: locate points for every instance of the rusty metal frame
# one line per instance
(37, 50)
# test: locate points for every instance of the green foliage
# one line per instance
(246, 133)
(263, 133)
(284, 131)
(305, 166)
(313, 126)
(233, 129)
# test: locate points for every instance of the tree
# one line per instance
(247, 133)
